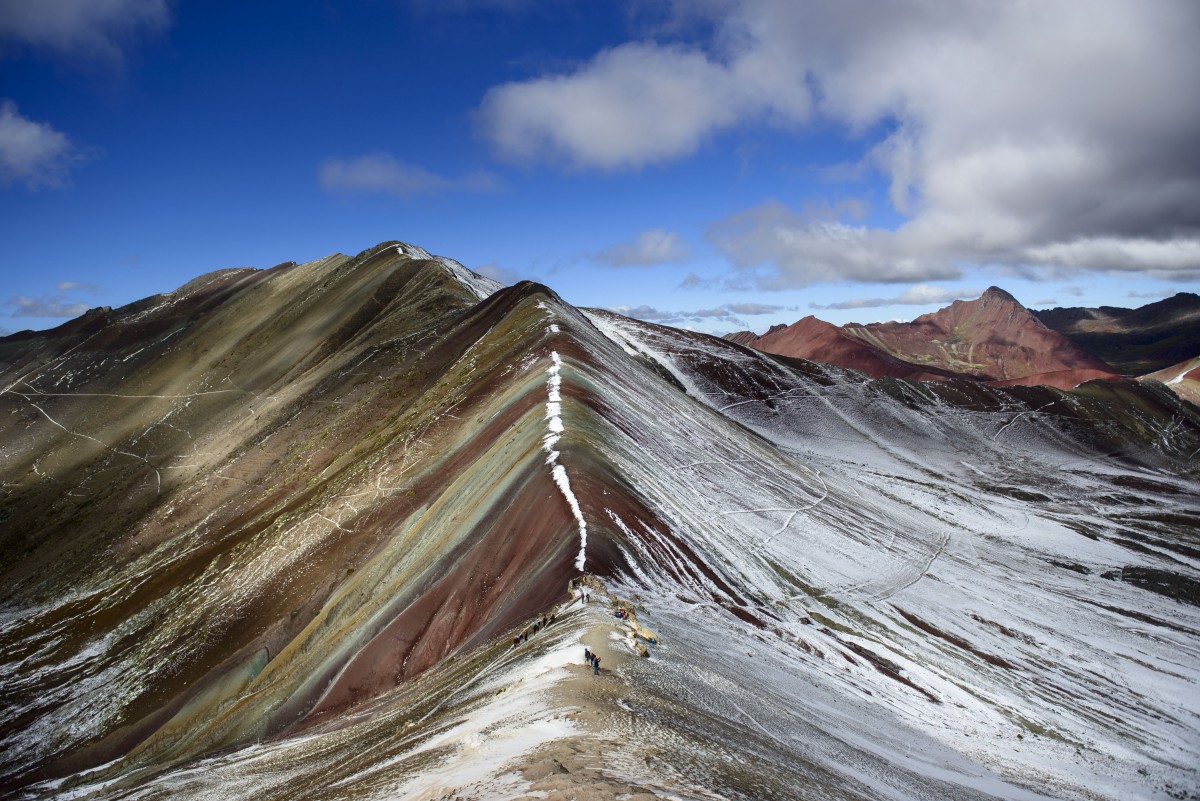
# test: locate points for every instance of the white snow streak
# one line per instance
(559, 473)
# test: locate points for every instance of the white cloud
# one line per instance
(77, 286)
(1048, 137)
(1158, 257)
(504, 275)
(754, 308)
(382, 173)
(693, 281)
(33, 153)
(781, 248)
(727, 313)
(656, 246)
(45, 306)
(634, 105)
(89, 28)
(1159, 295)
(917, 295)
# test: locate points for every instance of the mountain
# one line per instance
(1183, 379)
(293, 533)
(991, 339)
(1135, 341)
(819, 341)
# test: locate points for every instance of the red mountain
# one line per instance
(820, 341)
(993, 338)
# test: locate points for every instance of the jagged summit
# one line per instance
(995, 293)
(280, 535)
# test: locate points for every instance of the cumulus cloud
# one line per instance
(87, 28)
(1159, 295)
(1157, 257)
(504, 275)
(655, 246)
(754, 308)
(636, 104)
(44, 306)
(1046, 137)
(918, 295)
(382, 173)
(34, 153)
(728, 313)
(77, 286)
(781, 248)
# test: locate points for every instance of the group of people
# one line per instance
(583, 596)
(537, 626)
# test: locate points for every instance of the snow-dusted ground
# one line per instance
(462, 731)
(863, 589)
(849, 521)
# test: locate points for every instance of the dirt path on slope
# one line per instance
(586, 767)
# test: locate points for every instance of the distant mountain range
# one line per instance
(996, 340)
(1134, 341)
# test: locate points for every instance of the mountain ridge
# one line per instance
(286, 528)
(992, 339)
(1139, 341)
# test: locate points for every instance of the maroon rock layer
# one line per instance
(992, 339)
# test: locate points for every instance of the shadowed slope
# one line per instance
(1136, 341)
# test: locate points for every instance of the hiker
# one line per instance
(595, 665)
(516, 640)
(587, 655)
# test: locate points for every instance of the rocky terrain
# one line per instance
(273, 535)
(991, 339)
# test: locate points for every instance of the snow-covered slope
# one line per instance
(917, 567)
(273, 537)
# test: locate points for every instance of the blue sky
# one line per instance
(716, 164)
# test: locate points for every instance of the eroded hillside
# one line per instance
(286, 522)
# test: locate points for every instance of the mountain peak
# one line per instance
(995, 293)
(992, 338)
